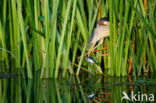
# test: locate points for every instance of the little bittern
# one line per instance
(100, 32)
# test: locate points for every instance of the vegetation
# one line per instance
(76, 90)
(52, 36)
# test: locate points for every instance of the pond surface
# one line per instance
(82, 89)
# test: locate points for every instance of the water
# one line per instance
(82, 89)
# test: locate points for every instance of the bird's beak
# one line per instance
(90, 49)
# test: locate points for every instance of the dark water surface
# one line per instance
(82, 89)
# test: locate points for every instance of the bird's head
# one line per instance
(103, 22)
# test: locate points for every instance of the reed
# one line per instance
(69, 37)
(111, 70)
(62, 37)
(82, 56)
(4, 45)
(49, 35)
(37, 55)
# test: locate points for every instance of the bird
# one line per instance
(101, 31)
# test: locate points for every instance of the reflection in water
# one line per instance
(76, 90)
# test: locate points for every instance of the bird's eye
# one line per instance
(105, 23)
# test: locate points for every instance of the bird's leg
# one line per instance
(101, 41)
